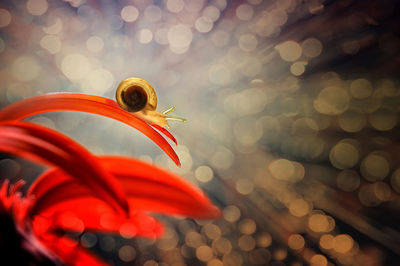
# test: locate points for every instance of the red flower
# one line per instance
(86, 192)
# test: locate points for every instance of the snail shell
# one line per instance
(135, 94)
(138, 96)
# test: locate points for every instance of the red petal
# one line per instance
(47, 146)
(83, 103)
(153, 189)
(148, 188)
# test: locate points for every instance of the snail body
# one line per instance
(136, 95)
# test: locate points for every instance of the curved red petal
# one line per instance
(153, 189)
(83, 103)
(47, 146)
(147, 187)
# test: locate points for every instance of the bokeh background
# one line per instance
(292, 109)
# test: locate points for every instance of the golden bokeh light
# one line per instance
(289, 51)
(345, 154)
(296, 242)
(332, 100)
(318, 260)
(343, 243)
(320, 223)
(247, 226)
(375, 166)
(361, 88)
(312, 47)
(299, 207)
(326, 241)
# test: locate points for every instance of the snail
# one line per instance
(137, 96)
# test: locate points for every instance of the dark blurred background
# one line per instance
(292, 108)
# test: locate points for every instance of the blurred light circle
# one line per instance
(51, 43)
(348, 180)
(343, 243)
(332, 100)
(299, 207)
(311, 47)
(318, 260)
(88, 240)
(351, 121)
(203, 24)
(175, 6)
(5, 17)
(193, 239)
(231, 213)
(127, 253)
(361, 88)
(37, 7)
(204, 173)
(75, 66)
(129, 13)
(289, 51)
(204, 253)
(264, 240)
(375, 166)
(145, 36)
(296, 242)
(383, 120)
(326, 241)
(179, 36)
(298, 68)
(95, 44)
(248, 42)
(244, 186)
(244, 12)
(282, 169)
(280, 254)
(319, 223)
(25, 68)
(127, 230)
(212, 231)
(211, 12)
(344, 154)
(222, 245)
(247, 226)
